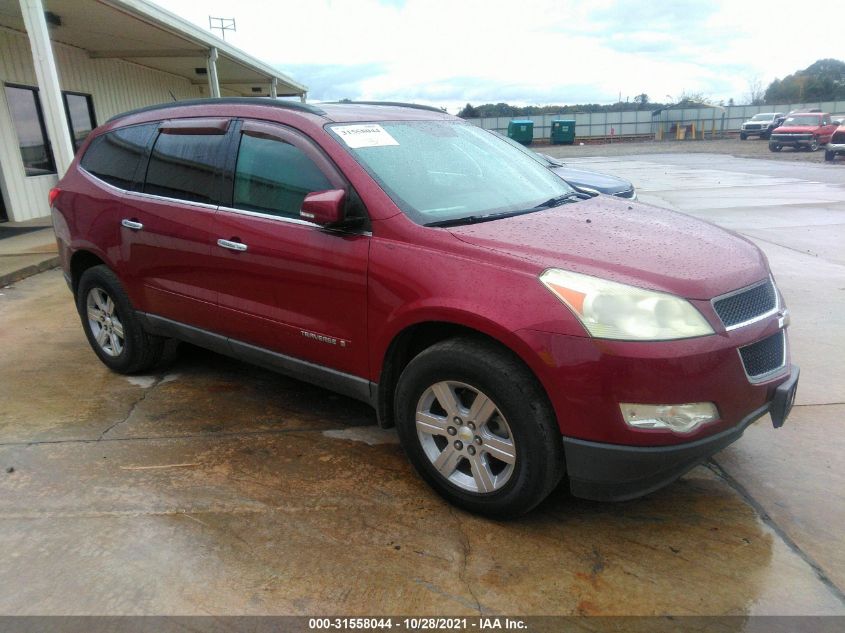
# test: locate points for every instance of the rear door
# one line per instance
(168, 224)
(289, 285)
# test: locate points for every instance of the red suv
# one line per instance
(514, 329)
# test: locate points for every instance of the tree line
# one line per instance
(824, 80)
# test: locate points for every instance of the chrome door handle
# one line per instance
(132, 224)
(232, 246)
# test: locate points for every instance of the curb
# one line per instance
(29, 271)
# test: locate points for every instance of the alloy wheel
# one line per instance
(465, 437)
(103, 320)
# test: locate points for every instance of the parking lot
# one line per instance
(214, 487)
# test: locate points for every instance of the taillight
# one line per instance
(54, 193)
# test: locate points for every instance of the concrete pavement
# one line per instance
(213, 487)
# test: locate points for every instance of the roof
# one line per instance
(332, 112)
(144, 33)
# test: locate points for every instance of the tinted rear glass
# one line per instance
(114, 157)
(185, 166)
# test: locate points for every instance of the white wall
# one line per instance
(115, 85)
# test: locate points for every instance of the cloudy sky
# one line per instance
(450, 52)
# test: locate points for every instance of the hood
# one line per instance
(796, 129)
(627, 242)
(604, 183)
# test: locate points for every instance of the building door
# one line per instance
(4, 217)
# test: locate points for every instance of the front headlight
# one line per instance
(618, 311)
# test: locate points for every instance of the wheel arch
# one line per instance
(81, 261)
(416, 337)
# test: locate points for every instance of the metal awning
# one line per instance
(146, 34)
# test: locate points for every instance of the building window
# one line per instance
(29, 125)
(79, 108)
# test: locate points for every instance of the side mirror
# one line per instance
(323, 207)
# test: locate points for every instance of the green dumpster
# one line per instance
(563, 132)
(521, 131)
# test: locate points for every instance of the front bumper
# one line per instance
(798, 141)
(612, 472)
(839, 148)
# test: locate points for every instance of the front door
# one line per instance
(284, 284)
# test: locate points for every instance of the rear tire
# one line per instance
(814, 145)
(775, 147)
(109, 321)
(500, 459)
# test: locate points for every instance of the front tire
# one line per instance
(775, 147)
(743, 136)
(829, 156)
(478, 428)
(110, 324)
(814, 145)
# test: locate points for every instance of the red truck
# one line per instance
(803, 130)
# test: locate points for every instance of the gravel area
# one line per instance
(752, 148)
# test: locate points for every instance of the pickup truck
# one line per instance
(760, 124)
(803, 130)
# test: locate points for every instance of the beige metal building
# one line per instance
(67, 66)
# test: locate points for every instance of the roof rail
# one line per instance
(265, 101)
(397, 104)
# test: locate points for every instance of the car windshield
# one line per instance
(806, 119)
(439, 171)
(762, 117)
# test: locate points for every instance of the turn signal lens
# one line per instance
(678, 418)
(54, 193)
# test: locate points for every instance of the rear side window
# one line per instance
(274, 177)
(114, 157)
(186, 167)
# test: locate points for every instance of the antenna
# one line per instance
(222, 25)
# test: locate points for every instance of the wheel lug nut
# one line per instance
(478, 439)
(457, 421)
(471, 425)
(471, 449)
(459, 444)
(451, 430)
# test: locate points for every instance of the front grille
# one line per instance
(838, 138)
(747, 304)
(764, 357)
(752, 126)
(791, 137)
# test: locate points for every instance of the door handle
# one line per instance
(132, 224)
(232, 246)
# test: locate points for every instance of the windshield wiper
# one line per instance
(474, 219)
(573, 196)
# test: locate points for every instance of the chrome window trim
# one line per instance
(269, 216)
(754, 380)
(152, 196)
(101, 181)
(759, 317)
(280, 218)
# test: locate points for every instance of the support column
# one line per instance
(213, 82)
(50, 91)
(302, 97)
(273, 83)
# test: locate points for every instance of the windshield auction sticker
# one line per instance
(364, 135)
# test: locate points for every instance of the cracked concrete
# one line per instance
(219, 488)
